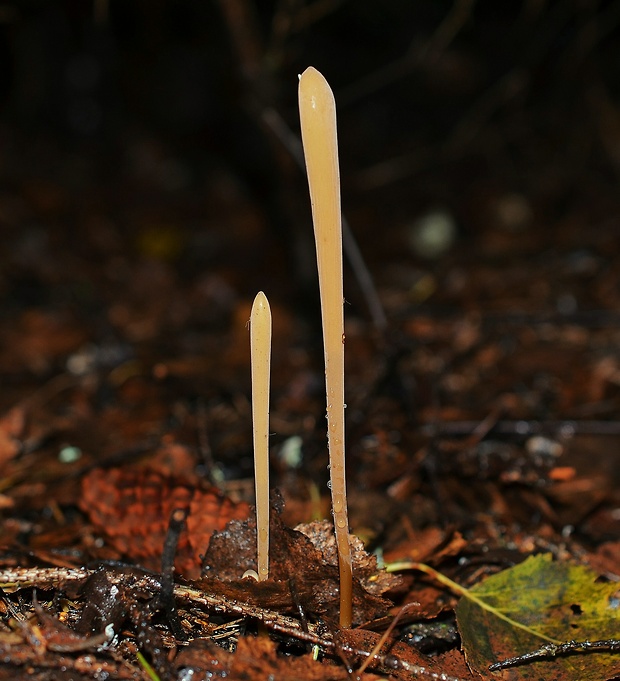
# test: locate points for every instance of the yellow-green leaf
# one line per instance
(541, 601)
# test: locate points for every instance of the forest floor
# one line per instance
(483, 409)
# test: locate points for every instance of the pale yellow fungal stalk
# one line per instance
(260, 353)
(317, 111)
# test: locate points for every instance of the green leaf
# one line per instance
(537, 602)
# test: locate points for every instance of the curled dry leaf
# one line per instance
(303, 569)
(374, 581)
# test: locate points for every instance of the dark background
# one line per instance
(440, 104)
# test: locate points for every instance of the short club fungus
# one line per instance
(317, 111)
(260, 354)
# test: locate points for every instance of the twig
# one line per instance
(413, 59)
(214, 471)
(449, 28)
(384, 637)
(242, 24)
(551, 650)
(176, 525)
(16, 578)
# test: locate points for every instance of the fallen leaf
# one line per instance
(132, 508)
(536, 602)
(303, 568)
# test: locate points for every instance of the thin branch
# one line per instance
(16, 578)
(550, 650)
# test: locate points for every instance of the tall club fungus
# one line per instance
(260, 353)
(317, 111)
